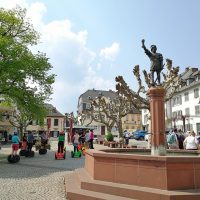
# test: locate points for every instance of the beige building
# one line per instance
(53, 123)
(132, 121)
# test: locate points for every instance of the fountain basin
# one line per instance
(179, 170)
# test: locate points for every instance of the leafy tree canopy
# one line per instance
(25, 77)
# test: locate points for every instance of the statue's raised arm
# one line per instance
(145, 49)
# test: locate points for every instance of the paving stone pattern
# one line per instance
(38, 178)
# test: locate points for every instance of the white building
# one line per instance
(186, 102)
(183, 110)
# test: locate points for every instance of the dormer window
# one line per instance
(188, 82)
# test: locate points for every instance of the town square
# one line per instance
(99, 100)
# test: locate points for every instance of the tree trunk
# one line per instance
(120, 128)
(109, 129)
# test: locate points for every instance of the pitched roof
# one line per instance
(53, 112)
(95, 93)
(189, 73)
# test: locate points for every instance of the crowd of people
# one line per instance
(176, 139)
(84, 137)
(26, 142)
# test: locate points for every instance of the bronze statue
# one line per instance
(156, 62)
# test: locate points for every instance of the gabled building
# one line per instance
(84, 104)
(131, 122)
(53, 123)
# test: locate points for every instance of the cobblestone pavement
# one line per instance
(41, 177)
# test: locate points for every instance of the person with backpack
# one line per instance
(172, 140)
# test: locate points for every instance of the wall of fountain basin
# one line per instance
(178, 170)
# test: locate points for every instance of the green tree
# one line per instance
(21, 118)
(25, 76)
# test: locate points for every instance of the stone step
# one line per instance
(74, 191)
(132, 191)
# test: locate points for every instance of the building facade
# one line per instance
(186, 102)
(132, 121)
(54, 123)
(84, 103)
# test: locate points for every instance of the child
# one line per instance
(15, 144)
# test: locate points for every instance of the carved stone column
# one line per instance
(157, 111)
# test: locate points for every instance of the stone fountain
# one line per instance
(124, 174)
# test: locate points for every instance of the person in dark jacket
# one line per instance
(30, 141)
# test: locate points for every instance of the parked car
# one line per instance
(139, 135)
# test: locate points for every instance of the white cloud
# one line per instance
(98, 66)
(8, 4)
(110, 53)
(35, 12)
(76, 66)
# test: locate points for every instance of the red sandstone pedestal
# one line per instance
(157, 110)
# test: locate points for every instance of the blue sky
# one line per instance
(90, 42)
